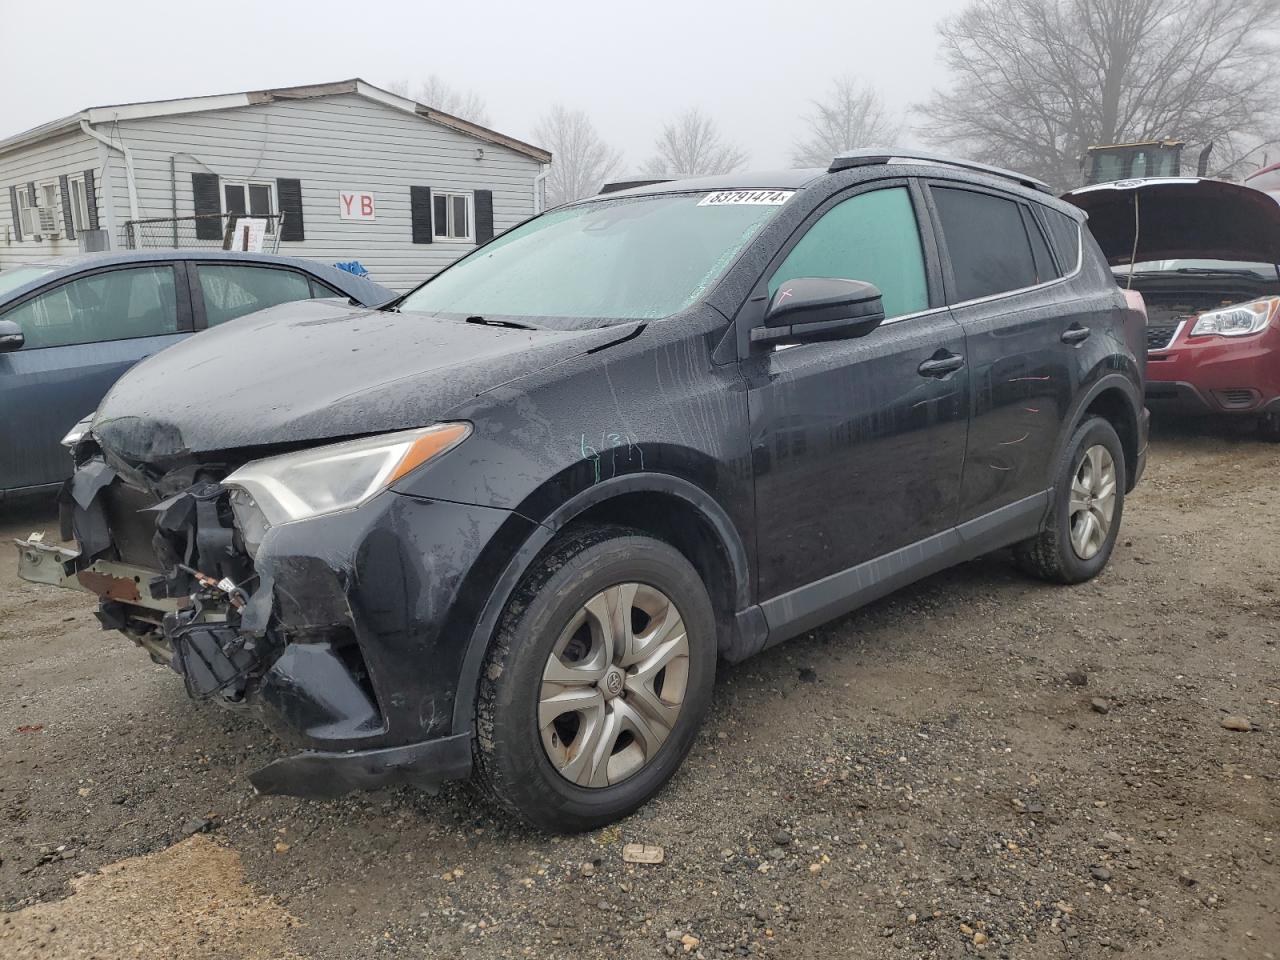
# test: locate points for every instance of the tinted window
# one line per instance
(1064, 232)
(118, 305)
(231, 292)
(872, 237)
(1045, 268)
(986, 242)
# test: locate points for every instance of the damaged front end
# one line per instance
(246, 625)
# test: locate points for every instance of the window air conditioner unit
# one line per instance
(47, 218)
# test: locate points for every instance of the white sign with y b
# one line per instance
(356, 205)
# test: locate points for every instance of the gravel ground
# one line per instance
(979, 765)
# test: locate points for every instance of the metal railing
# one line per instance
(216, 231)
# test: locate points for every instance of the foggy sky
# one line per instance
(752, 65)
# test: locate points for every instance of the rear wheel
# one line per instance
(1088, 504)
(597, 680)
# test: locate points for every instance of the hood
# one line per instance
(317, 370)
(1181, 218)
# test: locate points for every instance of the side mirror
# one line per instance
(11, 337)
(810, 309)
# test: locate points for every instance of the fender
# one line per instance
(1114, 380)
(748, 619)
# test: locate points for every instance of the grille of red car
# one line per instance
(1159, 336)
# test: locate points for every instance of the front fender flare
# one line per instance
(552, 524)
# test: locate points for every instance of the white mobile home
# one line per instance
(343, 171)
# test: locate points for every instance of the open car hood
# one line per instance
(1181, 218)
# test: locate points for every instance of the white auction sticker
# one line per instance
(770, 198)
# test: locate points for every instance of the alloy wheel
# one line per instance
(1093, 501)
(614, 684)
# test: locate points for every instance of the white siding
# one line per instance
(41, 162)
(334, 143)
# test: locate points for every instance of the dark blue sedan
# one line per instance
(70, 326)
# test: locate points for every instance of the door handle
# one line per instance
(941, 366)
(1075, 334)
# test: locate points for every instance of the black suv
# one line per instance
(507, 525)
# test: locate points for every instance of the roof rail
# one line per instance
(628, 184)
(872, 157)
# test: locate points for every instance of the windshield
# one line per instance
(20, 276)
(1268, 271)
(637, 258)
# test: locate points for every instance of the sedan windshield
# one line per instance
(19, 276)
(604, 261)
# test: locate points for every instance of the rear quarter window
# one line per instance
(1065, 235)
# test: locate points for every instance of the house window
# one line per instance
(251, 198)
(451, 216)
(27, 211)
(79, 203)
(39, 211)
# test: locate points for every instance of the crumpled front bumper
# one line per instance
(364, 619)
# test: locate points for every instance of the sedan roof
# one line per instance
(361, 289)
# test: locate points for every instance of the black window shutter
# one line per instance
(484, 216)
(289, 196)
(91, 199)
(34, 201)
(204, 190)
(68, 218)
(420, 214)
(17, 214)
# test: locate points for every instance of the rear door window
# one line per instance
(233, 291)
(986, 243)
(874, 237)
(114, 305)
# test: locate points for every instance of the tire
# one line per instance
(551, 625)
(1269, 427)
(1053, 555)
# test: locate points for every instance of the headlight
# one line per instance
(1238, 320)
(340, 476)
(76, 433)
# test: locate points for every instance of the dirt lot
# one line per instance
(929, 777)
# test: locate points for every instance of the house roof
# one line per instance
(227, 101)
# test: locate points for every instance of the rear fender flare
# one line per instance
(1110, 381)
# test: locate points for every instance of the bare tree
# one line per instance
(852, 115)
(581, 161)
(1036, 82)
(691, 146)
(439, 94)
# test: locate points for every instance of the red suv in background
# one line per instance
(1204, 255)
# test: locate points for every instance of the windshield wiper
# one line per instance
(511, 324)
(1227, 271)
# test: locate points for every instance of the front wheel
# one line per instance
(1088, 502)
(597, 680)
(1269, 427)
